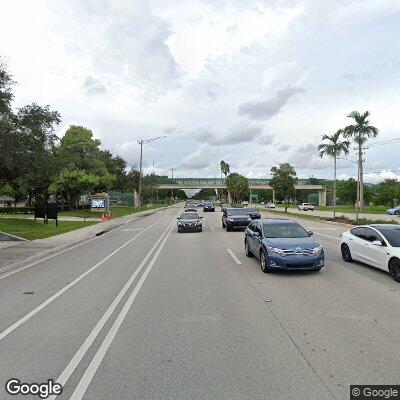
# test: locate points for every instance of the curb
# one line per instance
(38, 257)
(15, 237)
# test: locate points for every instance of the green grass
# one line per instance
(363, 221)
(31, 229)
(119, 211)
(292, 214)
(347, 209)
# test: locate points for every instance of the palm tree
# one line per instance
(334, 147)
(361, 131)
(222, 165)
(227, 169)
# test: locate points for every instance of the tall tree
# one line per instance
(6, 93)
(82, 165)
(360, 132)
(35, 125)
(238, 187)
(283, 181)
(388, 193)
(334, 147)
(225, 168)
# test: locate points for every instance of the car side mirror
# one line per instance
(310, 233)
(200, 217)
(377, 243)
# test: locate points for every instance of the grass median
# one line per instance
(31, 229)
(346, 209)
(339, 219)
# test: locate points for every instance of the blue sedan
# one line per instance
(283, 244)
(393, 211)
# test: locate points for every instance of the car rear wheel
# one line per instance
(346, 253)
(264, 262)
(394, 269)
(247, 249)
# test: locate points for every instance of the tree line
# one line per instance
(35, 163)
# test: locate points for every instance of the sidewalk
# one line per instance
(13, 254)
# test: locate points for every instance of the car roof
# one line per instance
(384, 225)
(277, 220)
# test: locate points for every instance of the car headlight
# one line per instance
(276, 250)
(230, 219)
(317, 249)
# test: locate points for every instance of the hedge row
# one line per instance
(17, 210)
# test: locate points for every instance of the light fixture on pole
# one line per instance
(142, 142)
(172, 176)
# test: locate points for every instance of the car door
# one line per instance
(373, 254)
(257, 238)
(356, 243)
(250, 237)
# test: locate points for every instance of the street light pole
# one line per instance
(141, 142)
(172, 177)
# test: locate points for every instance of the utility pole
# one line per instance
(140, 174)
(142, 142)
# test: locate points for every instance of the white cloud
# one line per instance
(131, 69)
(265, 109)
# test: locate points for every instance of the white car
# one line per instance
(306, 207)
(377, 245)
(270, 205)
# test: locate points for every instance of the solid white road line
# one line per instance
(16, 324)
(14, 271)
(97, 359)
(70, 368)
(237, 261)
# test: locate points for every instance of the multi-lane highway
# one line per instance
(144, 312)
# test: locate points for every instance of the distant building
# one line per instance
(6, 201)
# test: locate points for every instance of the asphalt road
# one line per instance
(143, 312)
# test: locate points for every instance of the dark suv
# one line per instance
(253, 212)
(235, 218)
(208, 206)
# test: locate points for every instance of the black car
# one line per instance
(190, 222)
(253, 212)
(235, 218)
(208, 206)
(224, 206)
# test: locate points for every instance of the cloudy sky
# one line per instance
(254, 83)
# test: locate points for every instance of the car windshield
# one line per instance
(392, 234)
(284, 230)
(252, 210)
(237, 211)
(189, 215)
